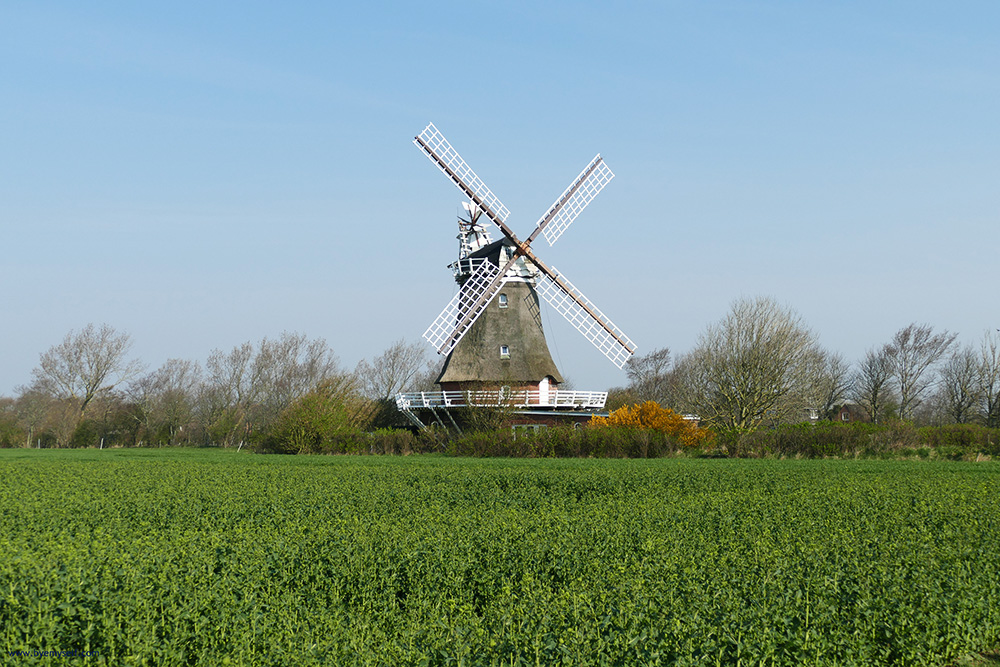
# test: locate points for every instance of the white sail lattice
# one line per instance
(580, 192)
(441, 153)
(595, 326)
(449, 327)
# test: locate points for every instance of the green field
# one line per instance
(214, 557)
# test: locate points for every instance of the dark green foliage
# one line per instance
(87, 434)
(207, 557)
(967, 437)
(820, 440)
(385, 415)
(558, 442)
(226, 425)
(353, 441)
(566, 442)
(11, 434)
(326, 420)
(834, 439)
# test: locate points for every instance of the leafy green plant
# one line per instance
(205, 556)
(327, 420)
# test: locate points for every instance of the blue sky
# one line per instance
(202, 174)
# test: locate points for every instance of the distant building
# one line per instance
(850, 412)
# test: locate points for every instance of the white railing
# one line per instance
(506, 398)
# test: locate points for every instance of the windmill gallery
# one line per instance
(491, 331)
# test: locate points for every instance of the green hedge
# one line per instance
(820, 440)
(833, 439)
(965, 436)
(565, 442)
(560, 442)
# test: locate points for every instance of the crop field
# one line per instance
(177, 557)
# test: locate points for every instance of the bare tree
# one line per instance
(960, 385)
(32, 407)
(619, 397)
(835, 383)
(989, 379)
(61, 421)
(229, 375)
(650, 378)
(166, 399)
(402, 367)
(395, 370)
(433, 367)
(751, 367)
(871, 386)
(247, 389)
(827, 378)
(11, 433)
(916, 350)
(288, 368)
(85, 364)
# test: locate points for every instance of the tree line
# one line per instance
(762, 366)
(759, 366)
(88, 391)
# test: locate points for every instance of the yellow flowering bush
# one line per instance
(650, 415)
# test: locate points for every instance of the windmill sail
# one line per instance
(447, 159)
(586, 317)
(571, 203)
(465, 307)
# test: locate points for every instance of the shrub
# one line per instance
(567, 442)
(971, 437)
(10, 434)
(826, 439)
(85, 435)
(326, 420)
(651, 416)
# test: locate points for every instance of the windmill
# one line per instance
(491, 330)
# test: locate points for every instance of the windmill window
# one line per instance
(502, 301)
(504, 352)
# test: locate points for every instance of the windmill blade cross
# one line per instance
(484, 282)
(573, 200)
